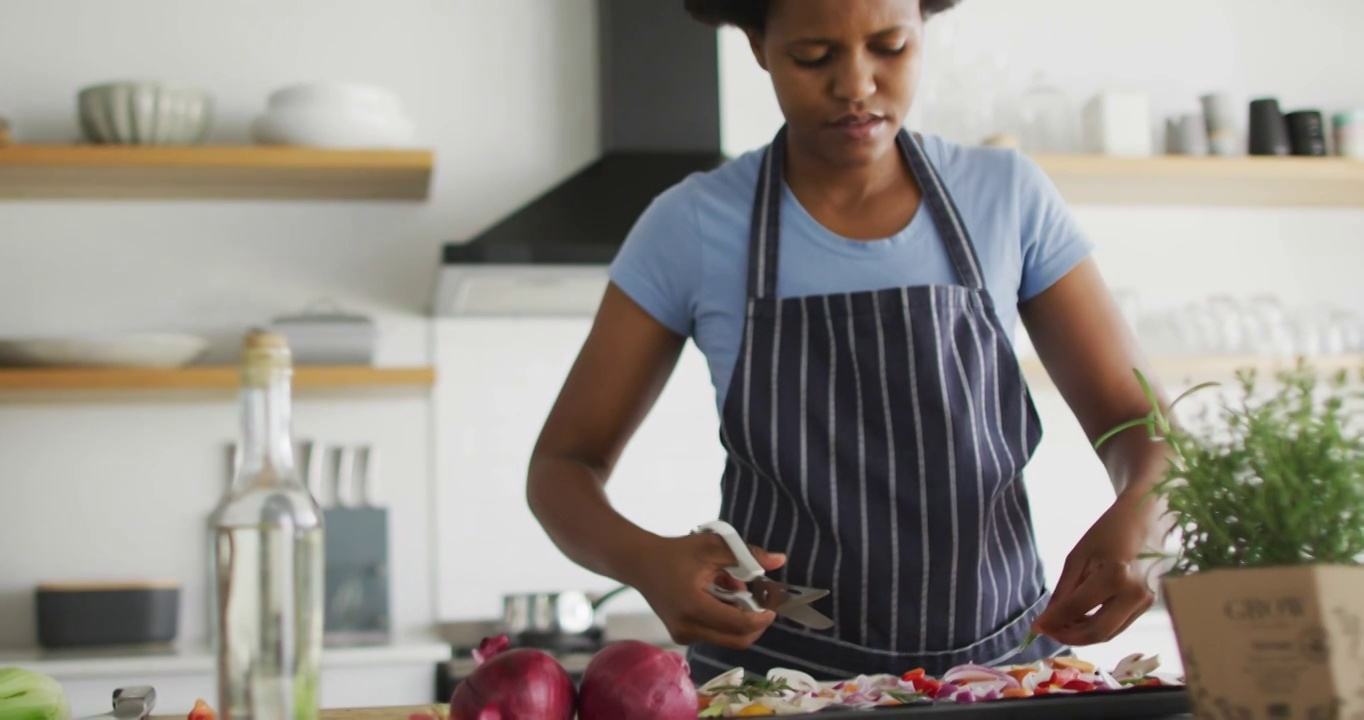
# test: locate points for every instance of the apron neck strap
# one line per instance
(765, 228)
(944, 211)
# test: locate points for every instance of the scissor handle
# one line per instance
(748, 568)
(742, 598)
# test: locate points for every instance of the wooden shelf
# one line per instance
(204, 378)
(113, 172)
(1207, 181)
(1181, 370)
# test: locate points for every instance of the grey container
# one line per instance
(107, 614)
(324, 334)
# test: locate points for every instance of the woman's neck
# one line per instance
(845, 188)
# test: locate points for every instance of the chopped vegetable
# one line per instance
(787, 692)
(27, 695)
(202, 711)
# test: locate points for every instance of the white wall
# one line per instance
(504, 92)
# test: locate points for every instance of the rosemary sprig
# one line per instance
(1269, 478)
(754, 687)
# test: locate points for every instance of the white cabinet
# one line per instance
(496, 381)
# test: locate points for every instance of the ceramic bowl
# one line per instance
(144, 113)
(339, 96)
(153, 350)
(329, 127)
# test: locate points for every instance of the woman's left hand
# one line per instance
(1105, 570)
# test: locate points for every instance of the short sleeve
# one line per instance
(1052, 241)
(659, 264)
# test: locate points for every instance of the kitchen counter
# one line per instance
(1150, 707)
(197, 658)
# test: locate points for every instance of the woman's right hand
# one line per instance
(674, 578)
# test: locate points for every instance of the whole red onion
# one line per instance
(632, 679)
(514, 684)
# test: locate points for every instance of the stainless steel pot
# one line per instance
(554, 615)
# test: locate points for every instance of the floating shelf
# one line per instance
(205, 378)
(1207, 180)
(1178, 370)
(121, 172)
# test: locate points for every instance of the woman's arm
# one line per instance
(1090, 352)
(615, 381)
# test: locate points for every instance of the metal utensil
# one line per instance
(762, 592)
(312, 460)
(343, 479)
(366, 462)
(131, 703)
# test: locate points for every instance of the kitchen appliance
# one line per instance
(790, 601)
(131, 703)
(567, 620)
(660, 111)
(357, 585)
(104, 614)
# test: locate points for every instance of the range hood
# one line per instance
(660, 117)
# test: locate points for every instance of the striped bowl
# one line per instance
(144, 113)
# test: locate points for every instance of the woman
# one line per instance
(854, 288)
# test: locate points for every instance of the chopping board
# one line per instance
(401, 712)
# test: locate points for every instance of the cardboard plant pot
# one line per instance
(1278, 642)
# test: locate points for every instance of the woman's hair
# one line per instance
(752, 14)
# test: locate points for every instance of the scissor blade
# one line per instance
(806, 615)
(774, 595)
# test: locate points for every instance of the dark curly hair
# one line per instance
(752, 14)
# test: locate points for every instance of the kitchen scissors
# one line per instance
(764, 593)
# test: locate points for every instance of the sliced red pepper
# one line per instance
(915, 673)
(1079, 685)
(925, 685)
(201, 711)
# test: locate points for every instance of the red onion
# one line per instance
(512, 684)
(631, 679)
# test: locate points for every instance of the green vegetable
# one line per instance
(753, 687)
(1273, 478)
(27, 695)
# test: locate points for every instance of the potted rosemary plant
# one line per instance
(1264, 494)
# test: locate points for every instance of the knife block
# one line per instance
(357, 578)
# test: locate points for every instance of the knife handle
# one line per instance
(748, 568)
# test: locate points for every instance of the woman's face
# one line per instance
(844, 72)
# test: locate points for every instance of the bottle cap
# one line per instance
(262, 353)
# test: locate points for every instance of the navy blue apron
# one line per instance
(878, 439)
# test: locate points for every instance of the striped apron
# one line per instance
(878, 439)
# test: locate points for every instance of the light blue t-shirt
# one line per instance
(685, 260)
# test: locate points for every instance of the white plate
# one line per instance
(131, 350)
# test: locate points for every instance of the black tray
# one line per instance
(1131, 704)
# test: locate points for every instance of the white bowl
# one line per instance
(333, 128)
(130, 350)
(336, 96)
